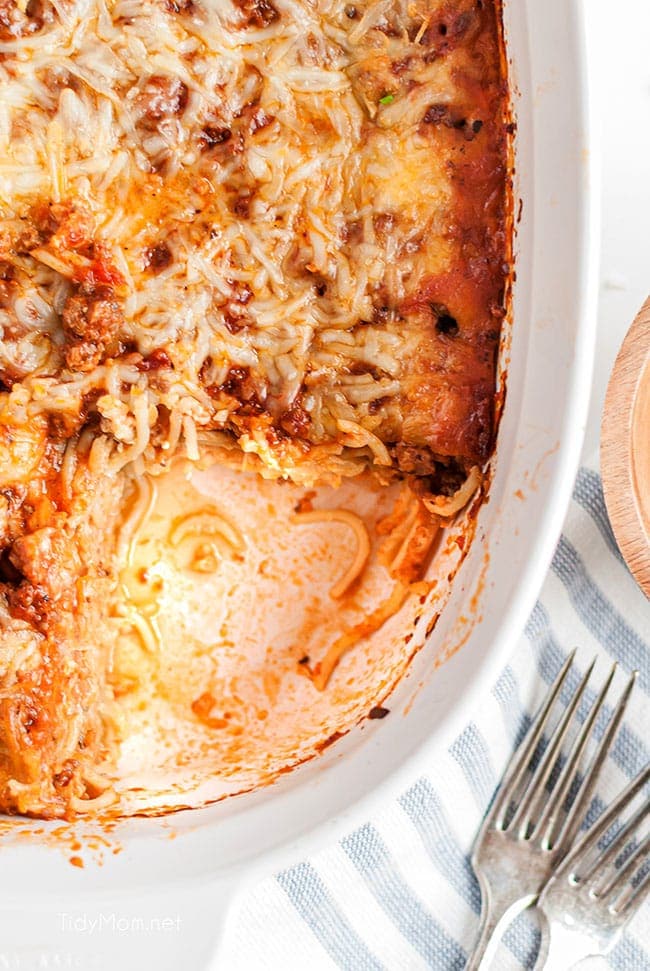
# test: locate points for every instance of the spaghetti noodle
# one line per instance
(321, 673)
(362, 538)
(146, 629)
(449, 506)
(206, 522)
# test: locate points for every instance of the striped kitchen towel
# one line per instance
(399, 892)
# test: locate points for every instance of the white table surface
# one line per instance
(619, 50)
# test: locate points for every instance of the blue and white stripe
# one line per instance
(399, 892)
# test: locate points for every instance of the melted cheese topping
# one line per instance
(258, 189)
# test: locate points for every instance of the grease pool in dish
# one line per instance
(271, 235)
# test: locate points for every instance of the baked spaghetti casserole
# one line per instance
(272, 231)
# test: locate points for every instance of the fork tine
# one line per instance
(517, 769)
(591, 837)
(534, 791)
(553, 809)
(575, 815)
(619, 876)
(615, 848)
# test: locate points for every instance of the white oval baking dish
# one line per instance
(47, 907)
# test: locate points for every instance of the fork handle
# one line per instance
(486, 943)
(493, 921)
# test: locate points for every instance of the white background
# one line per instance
(619, 51)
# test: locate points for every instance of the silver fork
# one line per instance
(588, 900)
(532, 821)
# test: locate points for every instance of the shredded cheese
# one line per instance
(230, 149)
